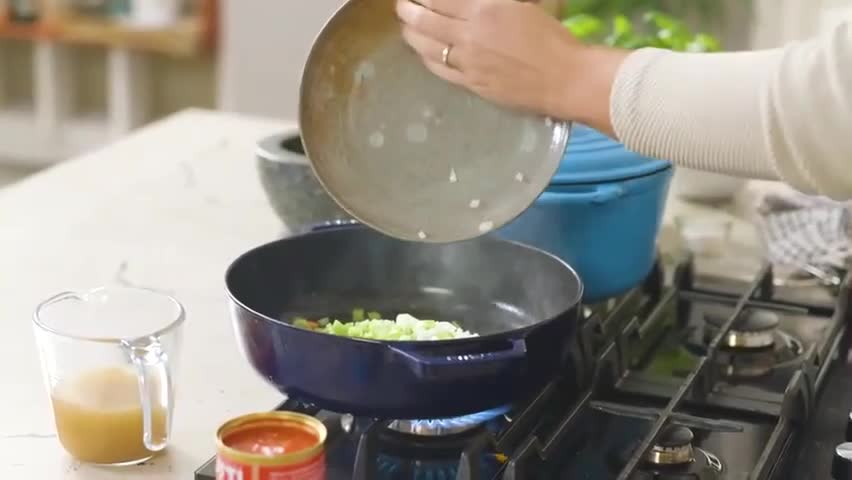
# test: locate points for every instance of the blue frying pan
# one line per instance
(522, 302)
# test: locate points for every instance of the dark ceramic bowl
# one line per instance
(293, 192)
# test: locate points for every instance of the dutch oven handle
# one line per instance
(463, 366)
(598, 195)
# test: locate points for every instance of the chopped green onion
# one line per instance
(405, 327)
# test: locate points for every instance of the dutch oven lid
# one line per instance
(592, 157)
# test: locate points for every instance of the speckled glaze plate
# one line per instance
(407, 153)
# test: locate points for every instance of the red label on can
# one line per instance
(313, 469)
(230, 470)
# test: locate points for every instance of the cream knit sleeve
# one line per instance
(783, 114)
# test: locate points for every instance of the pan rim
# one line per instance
(575, 302)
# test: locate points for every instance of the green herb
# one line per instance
(709, 10)
(656, 30)
(584, 26)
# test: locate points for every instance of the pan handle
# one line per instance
(462, 366)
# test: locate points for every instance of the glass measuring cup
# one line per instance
(108, 355)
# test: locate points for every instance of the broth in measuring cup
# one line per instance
(98, 417)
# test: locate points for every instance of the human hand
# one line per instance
(512, 53)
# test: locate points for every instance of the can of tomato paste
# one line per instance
(271, 446)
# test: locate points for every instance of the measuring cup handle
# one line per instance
(155, 384)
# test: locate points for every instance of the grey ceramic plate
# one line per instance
(403, 151)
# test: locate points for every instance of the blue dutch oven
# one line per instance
(601, 213)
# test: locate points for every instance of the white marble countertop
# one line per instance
(170, 207)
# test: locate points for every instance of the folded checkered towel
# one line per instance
(810, 234)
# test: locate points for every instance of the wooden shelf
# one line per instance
(184, 39)
(60, 116)
(22, 31)
(191, 36)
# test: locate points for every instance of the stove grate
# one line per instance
(609, 346)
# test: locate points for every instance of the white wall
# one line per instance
(263, 48)
(778, 22)
(783, 21)
(834, 12)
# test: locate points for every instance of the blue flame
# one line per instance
(463, 421)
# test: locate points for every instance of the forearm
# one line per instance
(585, 95)
(777, 114)
(702, 111)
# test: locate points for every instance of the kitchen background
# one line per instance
(75, 74)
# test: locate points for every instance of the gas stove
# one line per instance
(688, 379)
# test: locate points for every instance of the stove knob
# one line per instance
(849, 428)
(841, 467)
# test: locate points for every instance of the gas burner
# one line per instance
(673, 447)
(673, 456)
(754, 329)
(755, 346)
(390, 468)
(758, 363)
(446, 426)
(431, 449)
(785, 351)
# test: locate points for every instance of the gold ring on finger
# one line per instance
(445, 55)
